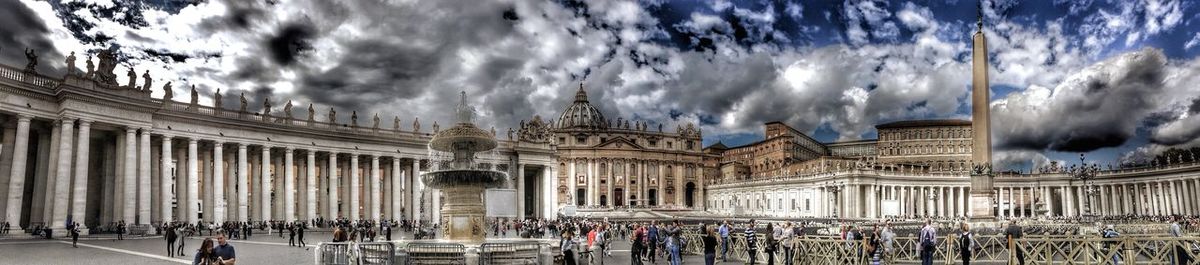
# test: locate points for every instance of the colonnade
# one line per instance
(148, 176)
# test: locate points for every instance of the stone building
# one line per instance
(84, 148)
(605, 163)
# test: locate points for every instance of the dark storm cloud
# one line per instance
(377, 72)
(290, 41)
(1100, 106)
(23, 29)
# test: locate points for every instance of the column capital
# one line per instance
(241, 145)
(24, 117)
(288, 149)
(130, 129)
(193, 141)
(84, 122)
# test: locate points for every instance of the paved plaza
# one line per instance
(151, 250)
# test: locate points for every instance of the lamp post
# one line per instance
(834, 190)
(1087, 174)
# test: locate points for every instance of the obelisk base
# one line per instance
(982, 207)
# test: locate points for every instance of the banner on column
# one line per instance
(889, 207)
(501, 203)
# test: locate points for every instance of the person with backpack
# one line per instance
(965, 244)
(1109, 233)
(928, 242)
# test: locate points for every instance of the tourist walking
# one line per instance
(751, 242)
(785, 241)
(567, 246)
(652, 234)
(1013, 233)
(724, 232)
(769, 245)
(1181, 255)
(636, 245)
(171, 237)
(224, 250)
(75, 235)
(673, 243)
(121, 230)
(300, 234)
(965, 244)
(710, 246)
(206, 255)
(1109, 234)
(928, 243)
(182, 239)
(291, 235)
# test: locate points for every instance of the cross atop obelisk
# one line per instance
(981, 140)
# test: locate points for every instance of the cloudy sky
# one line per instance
(1113, 79)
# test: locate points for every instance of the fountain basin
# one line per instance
(442, 179)
(463, 137)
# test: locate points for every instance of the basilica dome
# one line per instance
(581, 114)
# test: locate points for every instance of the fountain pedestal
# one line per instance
(463, 213)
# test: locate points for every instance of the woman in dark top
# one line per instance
(205, 255)
(710, 246)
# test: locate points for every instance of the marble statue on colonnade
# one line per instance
(90, 68)
(168, 93)
(217, 99)
(266, 106)
(33, 60)
(71, 64)
(146, 81)
(132, 75)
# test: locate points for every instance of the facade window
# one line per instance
(581, 140)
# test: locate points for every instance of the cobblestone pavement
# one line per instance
(261, 248)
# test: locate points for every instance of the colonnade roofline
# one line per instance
(77, 96)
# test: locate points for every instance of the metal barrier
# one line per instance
(436, 253)
(334, 253)
(375, 253)
(989, 249)
(509, 253)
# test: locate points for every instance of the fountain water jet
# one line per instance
(462, 215)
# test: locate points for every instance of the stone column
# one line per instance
(942, 201)
(904, 201)
(79, 200)
(333, 186)
(571, 195)
(397, 190)
(265, 186)
(521, 191)
(1196, 201)
(218, 158)
(130, 176)
(193, 176)
(243, 172)
(311, 182)
(62, 180)
(354, 187)
(16, 183)
(376, 200)
(143, 167)
(417, 190)
(167, 193)
(289, 185)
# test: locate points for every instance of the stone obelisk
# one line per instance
(981, 142)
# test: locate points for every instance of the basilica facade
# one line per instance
(606, 164)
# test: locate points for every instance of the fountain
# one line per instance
(462, 215)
